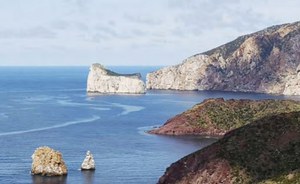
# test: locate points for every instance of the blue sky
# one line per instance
(128, 32)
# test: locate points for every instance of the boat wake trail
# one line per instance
(128, 108)
(94, 118)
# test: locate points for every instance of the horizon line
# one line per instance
(81, 65)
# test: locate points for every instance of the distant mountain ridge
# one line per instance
(267, 61)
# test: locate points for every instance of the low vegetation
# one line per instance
(215, 117)
(231, 114)
(264, 151)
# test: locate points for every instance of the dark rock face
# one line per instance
(267, 61)
(215, 117)
(265, 151)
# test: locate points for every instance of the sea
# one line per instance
(49, 106)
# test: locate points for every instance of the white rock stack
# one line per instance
(48, 162)
(102, 80)
(89, 162)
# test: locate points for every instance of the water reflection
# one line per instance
(37, 179)
(88, 176)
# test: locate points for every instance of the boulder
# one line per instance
(48, 162)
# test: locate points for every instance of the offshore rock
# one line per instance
(102, 80)
(48, 162)
(88, 163)
(267, 61)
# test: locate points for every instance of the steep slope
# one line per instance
(265, 151)
(215, 117)
(267, 61)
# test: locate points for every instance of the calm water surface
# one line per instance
(49, 106)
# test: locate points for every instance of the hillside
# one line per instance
(265, 151)
(215, 117)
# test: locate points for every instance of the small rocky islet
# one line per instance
(88, 162)
(49, 162)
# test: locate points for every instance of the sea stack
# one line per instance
(89, 162)
(48, 162)
(102, 80)
(267, 61)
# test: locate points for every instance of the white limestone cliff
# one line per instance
(267, 61)
(292, 86)
(102, 80)
(184, 76)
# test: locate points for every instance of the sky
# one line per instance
(128, 32)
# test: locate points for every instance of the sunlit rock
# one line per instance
(89, 162)
(48, 162)
(264, 62)
(102, 80)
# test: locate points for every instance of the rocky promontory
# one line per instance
(102, 80)
(264, 151)
(48, 162)
(267, 61)
(215, 117)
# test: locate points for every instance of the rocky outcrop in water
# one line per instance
(215, 117)
(267, 61)
(265, 151)
(102, 80)
(89, 162)
(48, 162)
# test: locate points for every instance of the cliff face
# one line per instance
(102, 80)
(215, 117)
(267, 61)
(265, 151)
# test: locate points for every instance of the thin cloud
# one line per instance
(29, 33)
(159, 31)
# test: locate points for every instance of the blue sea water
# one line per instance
(49, 106)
